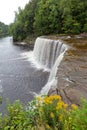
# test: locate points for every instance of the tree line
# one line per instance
(3, 30)
(43, 17)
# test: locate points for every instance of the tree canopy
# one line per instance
(3, 29)
(42, 17)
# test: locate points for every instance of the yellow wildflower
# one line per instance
(47, 101)
(58, 107)
(74, 107)
(55, 97)
(52, 115)
(50, 99)
(60, 104)
(65, 105)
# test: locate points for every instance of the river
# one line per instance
(18, 78)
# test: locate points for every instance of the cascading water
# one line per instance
(46, 51)
(49, 53)
(52, 81)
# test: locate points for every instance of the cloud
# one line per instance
(7, 8)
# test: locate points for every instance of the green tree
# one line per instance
(40, 17)
(24, 19)
(48, 17)
(3, 30)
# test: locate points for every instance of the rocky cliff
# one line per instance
(72, 72)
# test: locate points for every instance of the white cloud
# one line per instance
(7, 8)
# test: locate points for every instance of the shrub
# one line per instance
(45, 113)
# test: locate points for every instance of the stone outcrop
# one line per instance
(72, 73)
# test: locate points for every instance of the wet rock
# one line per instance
(53, 91)
(72, 76)
(72, 73)
(83, 34)
(77, 42)
(24, 44)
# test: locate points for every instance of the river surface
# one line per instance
(18, 78)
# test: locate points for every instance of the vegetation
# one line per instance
(1, 99)
(23, 24)
(3, 30)
(45, 113)
(42, 17)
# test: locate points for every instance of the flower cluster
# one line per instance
(45, 113)
(54, 111)
(53, 100)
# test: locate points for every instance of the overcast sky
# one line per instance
(7, 8)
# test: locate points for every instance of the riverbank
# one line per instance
(29, 41)
(72, 72)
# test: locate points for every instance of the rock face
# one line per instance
(72, 74)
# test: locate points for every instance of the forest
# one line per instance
(44, 17)
(3, 30)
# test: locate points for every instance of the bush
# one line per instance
(45, 113)
(1, 99)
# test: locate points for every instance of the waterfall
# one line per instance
(49, 53)
(52, 81)
(46, 51)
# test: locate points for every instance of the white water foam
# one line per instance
(52, 81)
(45, 53)
(30, 57)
